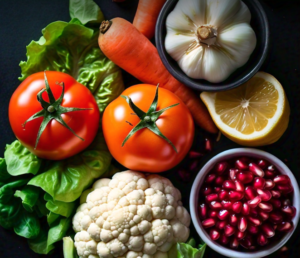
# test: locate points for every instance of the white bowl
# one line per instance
(238, 152)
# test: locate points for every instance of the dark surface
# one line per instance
(259, 23)
(22, 21)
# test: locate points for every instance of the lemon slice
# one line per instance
(254, 114)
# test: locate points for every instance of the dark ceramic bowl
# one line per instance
(259, 24)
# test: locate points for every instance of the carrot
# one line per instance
(146, 16)
(122, 43)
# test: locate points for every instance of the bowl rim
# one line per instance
(180, 76)
(231, 153)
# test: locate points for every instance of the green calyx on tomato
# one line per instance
(148, 120)
(52, 110)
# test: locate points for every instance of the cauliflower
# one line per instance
(130, 216)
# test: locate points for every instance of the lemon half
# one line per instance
(254, 114)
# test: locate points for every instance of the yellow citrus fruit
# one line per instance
(254, 114)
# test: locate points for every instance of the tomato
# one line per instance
(145, 150)
(56, 141)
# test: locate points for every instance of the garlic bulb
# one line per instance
(210, 39)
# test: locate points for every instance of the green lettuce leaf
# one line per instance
(9, 214)
(20, 160)
(4, 175)
(61, 208)
(51, 218)
(187, 250)
(7, 191)
(28, 225)
(39, 244)
(57, 232)
(69, 248)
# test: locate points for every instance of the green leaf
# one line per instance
(28, 225)
(73, 49)
(66, 180)
(20, 160)
(86, 11)
(65, 209)
(4, 175)
(9, 214)
(39, 244)
(29, 195)
(187, 250)
(69, 248)
(57, 232)
(51, 218)
(7, 191)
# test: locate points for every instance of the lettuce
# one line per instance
(187, 250)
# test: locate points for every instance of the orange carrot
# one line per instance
(122, 43)
(146, 16)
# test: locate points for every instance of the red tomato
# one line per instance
(56, 142)
(146, 151)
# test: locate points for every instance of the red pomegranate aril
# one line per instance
(265, 195)
(253, 229)
(221, 167)
(212, 197)
(256, 170)
(271, 168)
(285, 189)
(262, 164)
(203, 211)
(223, 214)
(208, 145)
(229, 230)
(242, 225)
(254, 212)
(261, 239)
(232, 173)
(269, 184)
(285, 226)
(234, 243)
(217, 189)
(233, 220)
(241, 164)
(214, 234)
(254, 202)
(247, 242)
(268, 230)
(210, 178)
(223, 195)
(276, 217)
(219, 180)
(212, 214)
(195, 155)
(263, 215)
(193, 165)
(210, 222)
(239, 186)
(286, 202)
(237, 207)
(267, 207)
(224, 239)
(290, 211)
(254, 221)
(282, 180)
(229, 185)
(236, 196)
(240, 235)
(244, 177)
(215, 205)
(270, 174)
(226, 204)
(221, 225)
(276, 203)
(259, 183)
(206, 190)
(245, 209)
(275, 193)
(184, 175)
(250, 193)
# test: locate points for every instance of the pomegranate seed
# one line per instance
(254, 202)
(203, 211)
(206, 190)
(253, 229)
(193, 165)
(210, 178)
(223, 195)
(285, 189)
(241, 164)
(215, 205)
(208, 145)
(245, 209)
(237, 207)
(212, 214)
(212, 197)
(276, 217)
(239, 186)
(219, 180)
(184, 175)
(262, 164)
(285, 226)
(256, 170)
(267, 207)
(229, 185)
(286, 202)
(264, 215)
(229, 230)
(261, 239)
(195, 155)
(214, 234)
(268, 230)
(234, 243)
(254, 212)
(290, 211)
(265, 195)
(269, 184)
(244, 177)
(254, 221)
(275, 226)
(232, 173)
(223, 214)
(221, 167)
(235, 196)
(233, 220)
(208, 223)
(259, 183)
(246, 242)
(240, 235)
(270, 174)
(276, 203)
(250, 193)
(242, 225)
(226, 204)
(252, 247)
(282, 179)
(221, 225)
(224, 239)
(271, 168)
(217, 189)
(275, 194)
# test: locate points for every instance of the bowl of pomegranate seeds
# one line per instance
(245, 203)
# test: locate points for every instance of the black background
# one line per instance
(22, 21)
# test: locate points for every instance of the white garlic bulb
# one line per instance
(210, 39)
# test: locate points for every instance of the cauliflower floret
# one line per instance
(130, 216)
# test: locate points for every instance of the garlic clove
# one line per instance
(195, 10)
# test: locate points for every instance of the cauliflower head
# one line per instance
(130, 216)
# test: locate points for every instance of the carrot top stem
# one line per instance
(104, 27)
